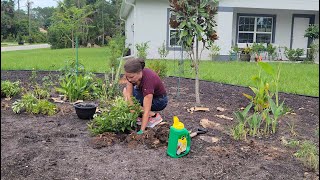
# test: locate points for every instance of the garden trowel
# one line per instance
(200, 131)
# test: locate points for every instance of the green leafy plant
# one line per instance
(31, 104)
(118, 118)
(277, 111)
(25, 104)
(254, 124)
(142, 49)
(312, 52)
(214, 51)
(239, 131)
(44, 107)
(77, 87)
(309, 154)
(159, 67)
(10, 89)
(162, 50)
(312, 32)
(116, 48)
(271, 51)
(293, 54)
(40, 92)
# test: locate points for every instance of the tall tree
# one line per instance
(195, 21)
(70, 20)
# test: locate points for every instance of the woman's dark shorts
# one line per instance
(158, 102)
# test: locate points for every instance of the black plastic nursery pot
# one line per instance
(85, 110)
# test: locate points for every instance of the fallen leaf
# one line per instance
(220, 109)
(208, 124)
(224, 117)
(7, 98)
(209, 139)
(301, 108)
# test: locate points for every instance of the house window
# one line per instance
(173, 34)
(255, 29)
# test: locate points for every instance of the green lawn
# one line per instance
(295, 78)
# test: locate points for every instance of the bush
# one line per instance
(31, 104)
(159, 67)
(117, 119)
(10, 89)
(142, 50)
(293, 54)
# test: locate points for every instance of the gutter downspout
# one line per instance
(134, 19)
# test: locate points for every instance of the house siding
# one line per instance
(151, 23)
(310, 5)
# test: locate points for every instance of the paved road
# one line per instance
(24, 47)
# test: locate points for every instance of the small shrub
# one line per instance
(163, 52)
(293, 54)
(41, 93)
(309, 154)
(117, 119)
(159, 67)
(31, 104)
(10, 89)
(271, 51)
(214, 51)
(142, 50)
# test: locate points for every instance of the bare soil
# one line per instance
(61, 147)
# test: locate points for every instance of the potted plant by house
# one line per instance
(85, 110)
(245, 54)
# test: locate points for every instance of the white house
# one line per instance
(280, 22)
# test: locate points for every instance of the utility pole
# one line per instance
(29, 15)
(102, 25)
(18, 9)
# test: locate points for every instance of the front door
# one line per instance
(300, 24)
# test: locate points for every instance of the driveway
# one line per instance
(24, 47)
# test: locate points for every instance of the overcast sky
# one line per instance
(36, 3)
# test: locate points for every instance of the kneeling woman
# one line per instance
(146, 86)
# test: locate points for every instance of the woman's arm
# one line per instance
(129, 90)
(147, 102)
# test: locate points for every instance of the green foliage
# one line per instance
(31, 104)
(239, 131)
(66, 25)
(271, 51)
(163, 52)
(214, 51)
(40, 92)
(312, 32)
(117, 119)
(257, 48)
(293, 54)
(44, 107)
(142, 49)
(76, 87)
(159, 67)
(266, 110)
(10, 89)
(309, 154)
(116, 48)
(312, 52)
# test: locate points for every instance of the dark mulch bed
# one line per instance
(60, 146)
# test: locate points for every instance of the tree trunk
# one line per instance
(196, 67)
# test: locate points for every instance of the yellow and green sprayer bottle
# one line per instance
(179, 139)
